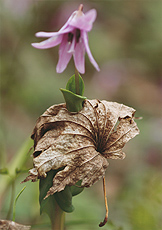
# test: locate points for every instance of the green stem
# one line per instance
(14, 205)
(57, 222)
(17, 162)
(77, 82)
(12, 200)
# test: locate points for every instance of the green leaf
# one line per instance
(73, 93)
(74, 102)
(71, 85)
(63, 198)
(44, 186)
(75, 189)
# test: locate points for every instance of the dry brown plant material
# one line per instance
(106, 205)
(80, 143)
(11, 225)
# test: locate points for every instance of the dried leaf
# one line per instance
(80, 142)
(11, 225)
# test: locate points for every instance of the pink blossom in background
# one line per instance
(73, 40)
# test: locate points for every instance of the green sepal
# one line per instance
(63, 198)
(71, 85)
(76, 189)
(74, 102)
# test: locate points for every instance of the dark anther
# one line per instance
(70, 37)
(77, 35)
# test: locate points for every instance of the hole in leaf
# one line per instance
(36, 153)
(116, 125)
(127, 117)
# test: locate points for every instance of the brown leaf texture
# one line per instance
(80, 143)
(11, 225)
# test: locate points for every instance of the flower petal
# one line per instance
(72, 46)
(51, 42)
(52, 34)
(79, 56)
(84, 22)
(91, 15)
(67, 23)
(46, 34)
(64, 29)
(64, 55)
(92, 60)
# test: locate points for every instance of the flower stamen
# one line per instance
(70, 37)
(77, 34)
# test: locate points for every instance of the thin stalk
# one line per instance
(58, 220)
(12, 200)
(106, 205)
(14, 205)
(77, 82)
(17, 162)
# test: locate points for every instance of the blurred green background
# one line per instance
(126, 42)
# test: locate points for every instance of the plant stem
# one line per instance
(12, 200)
(17, 162)
(77, 82)
(57, 222)
(14, 204)
(106, 205)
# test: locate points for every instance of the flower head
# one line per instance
(73, 40)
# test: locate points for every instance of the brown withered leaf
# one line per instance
(80, 143)
(11, 225)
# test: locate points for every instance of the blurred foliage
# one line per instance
(126, 41)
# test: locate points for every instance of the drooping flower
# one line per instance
(73, 40)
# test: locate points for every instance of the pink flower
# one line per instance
(73, 40)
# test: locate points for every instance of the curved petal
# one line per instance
(79, 56)
(67, 23)
(92, 60)
(46, 34)
(84, 22)
(52, 34)
(51, 42)
(64, 55)
(91, 15)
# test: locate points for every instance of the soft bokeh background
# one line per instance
(126, 41)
